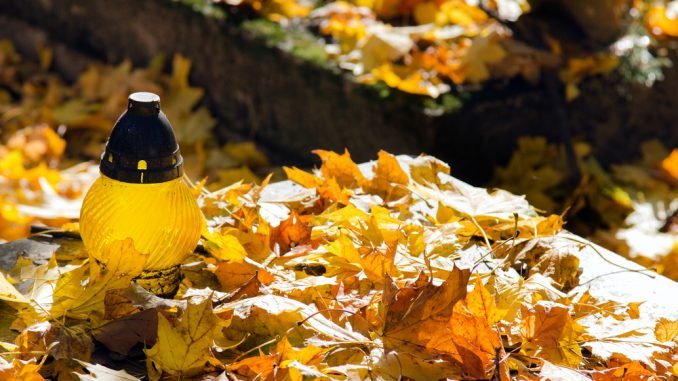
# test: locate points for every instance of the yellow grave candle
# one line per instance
(141, 194)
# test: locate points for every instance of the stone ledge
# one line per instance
(292, 106)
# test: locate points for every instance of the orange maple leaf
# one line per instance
(295, 230)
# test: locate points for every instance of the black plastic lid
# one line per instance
(142, 148)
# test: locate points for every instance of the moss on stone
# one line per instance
(206, 8)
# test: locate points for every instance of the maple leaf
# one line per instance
(260, 366)
(477, 203)
(285, 362)
(389, 179)
(426, 170)
(120, 263)
(9, 293)
(293, 231)
(19, 370)
(328, 189)
(224, 245)
(470, 338)
(632, 371)
(101, 373)
(666, 330)
(183, 346)
(340, 168)
(416, 314)
(232, 275)
(63, 344)
(548, 330)
(123, 333)
(35, 339)
(553, 257)
(267, 315)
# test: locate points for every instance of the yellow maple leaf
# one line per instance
(118, 265)
(327, 189)
(666, 330)
(341, 168)
(183, 346)
(549, 331)
(224, 245)
(389, 180)
(343, 247)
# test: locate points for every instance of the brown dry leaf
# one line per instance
(36, 339)
(121, 334)
(63, 344)
(117, 305)
(184, 345)
(418, 313)
(73, 343)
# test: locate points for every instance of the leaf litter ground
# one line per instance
(388, 270)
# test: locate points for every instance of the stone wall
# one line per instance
(291, 106)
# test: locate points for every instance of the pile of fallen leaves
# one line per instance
(432, 47)
(39, 173)
(631, 208)
(393, 270)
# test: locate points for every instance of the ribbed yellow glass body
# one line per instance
(163, 219)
